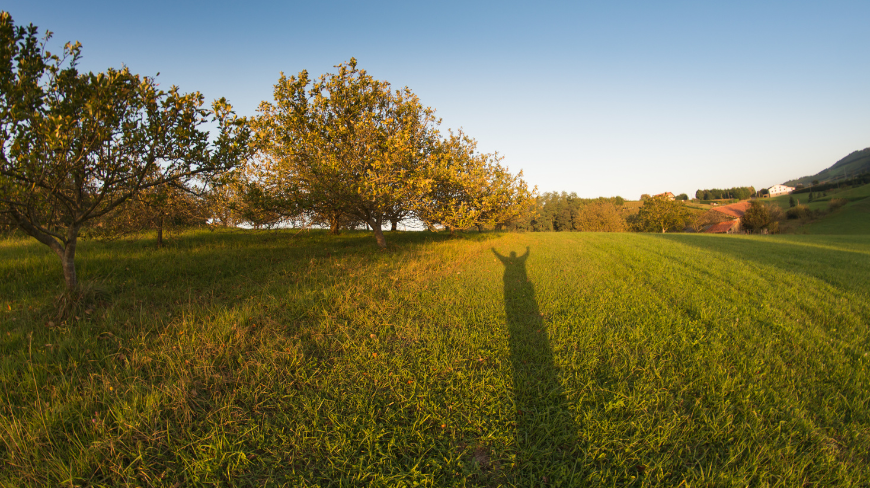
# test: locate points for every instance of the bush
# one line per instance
(777, 214)
(799, 212)
(836, 203)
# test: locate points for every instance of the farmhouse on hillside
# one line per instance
(725, 219)
(667, 194)
(777, 190)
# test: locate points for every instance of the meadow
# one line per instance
(276, 358)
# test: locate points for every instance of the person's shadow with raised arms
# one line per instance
(546, 431)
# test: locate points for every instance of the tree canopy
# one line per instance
(76, 146)
(348, 148)
(660, 214)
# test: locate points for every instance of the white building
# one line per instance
(777, 190)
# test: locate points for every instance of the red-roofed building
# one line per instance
(668, 194)
(735, 210)
(729, 227)
(726, 219)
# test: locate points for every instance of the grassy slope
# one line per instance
(631, 359)
(852, 219)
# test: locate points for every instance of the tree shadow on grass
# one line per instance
(546, 433)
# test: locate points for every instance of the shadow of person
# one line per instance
(546, 433)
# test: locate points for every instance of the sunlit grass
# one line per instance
(250, 358)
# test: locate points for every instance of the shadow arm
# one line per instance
(501, 258)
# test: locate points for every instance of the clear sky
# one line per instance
(601, 98)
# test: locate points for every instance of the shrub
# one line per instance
(777, 214)
(799, 212)
(836, 203)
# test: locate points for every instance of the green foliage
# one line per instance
(252, 358)
(660, 214)
(567, 212)
(836, 203)
(76, 146)
(599, 217)
(346, 147)
(760, 216)
(791, 201)
(739, 193)
(799, 212)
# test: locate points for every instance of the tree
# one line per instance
(158, 207)
(599, 216)
(682, 196)
(791, 201)
(645, 196)
(76, 146)
(347, 145)
(470, 189)
(757, 217)
(661, 214)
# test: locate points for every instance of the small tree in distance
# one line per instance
(660, 214)
(760, 216)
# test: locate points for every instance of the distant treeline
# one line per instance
(563, 211)
(740, 193)
(858, 180)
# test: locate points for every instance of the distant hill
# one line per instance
(855, 163)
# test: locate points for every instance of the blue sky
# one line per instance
(599, 98)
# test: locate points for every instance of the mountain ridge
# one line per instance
(854, 163)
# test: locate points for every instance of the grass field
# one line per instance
(266, 359)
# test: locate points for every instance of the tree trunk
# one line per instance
(160, 230)
(68, 261)
(66, 253)
(376, 225)
(393, 225)
(334, 224)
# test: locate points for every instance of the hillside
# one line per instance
(252, 358)
(851, 219)
(855, 163)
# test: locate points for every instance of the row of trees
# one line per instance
(109, 152)
(739, 193)
(567, 212)
(563, 211)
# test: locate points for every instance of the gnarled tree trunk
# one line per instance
(64, 249)
(376, 223)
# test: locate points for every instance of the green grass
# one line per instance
(268, 359)
(821, 203)
(853, 218)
